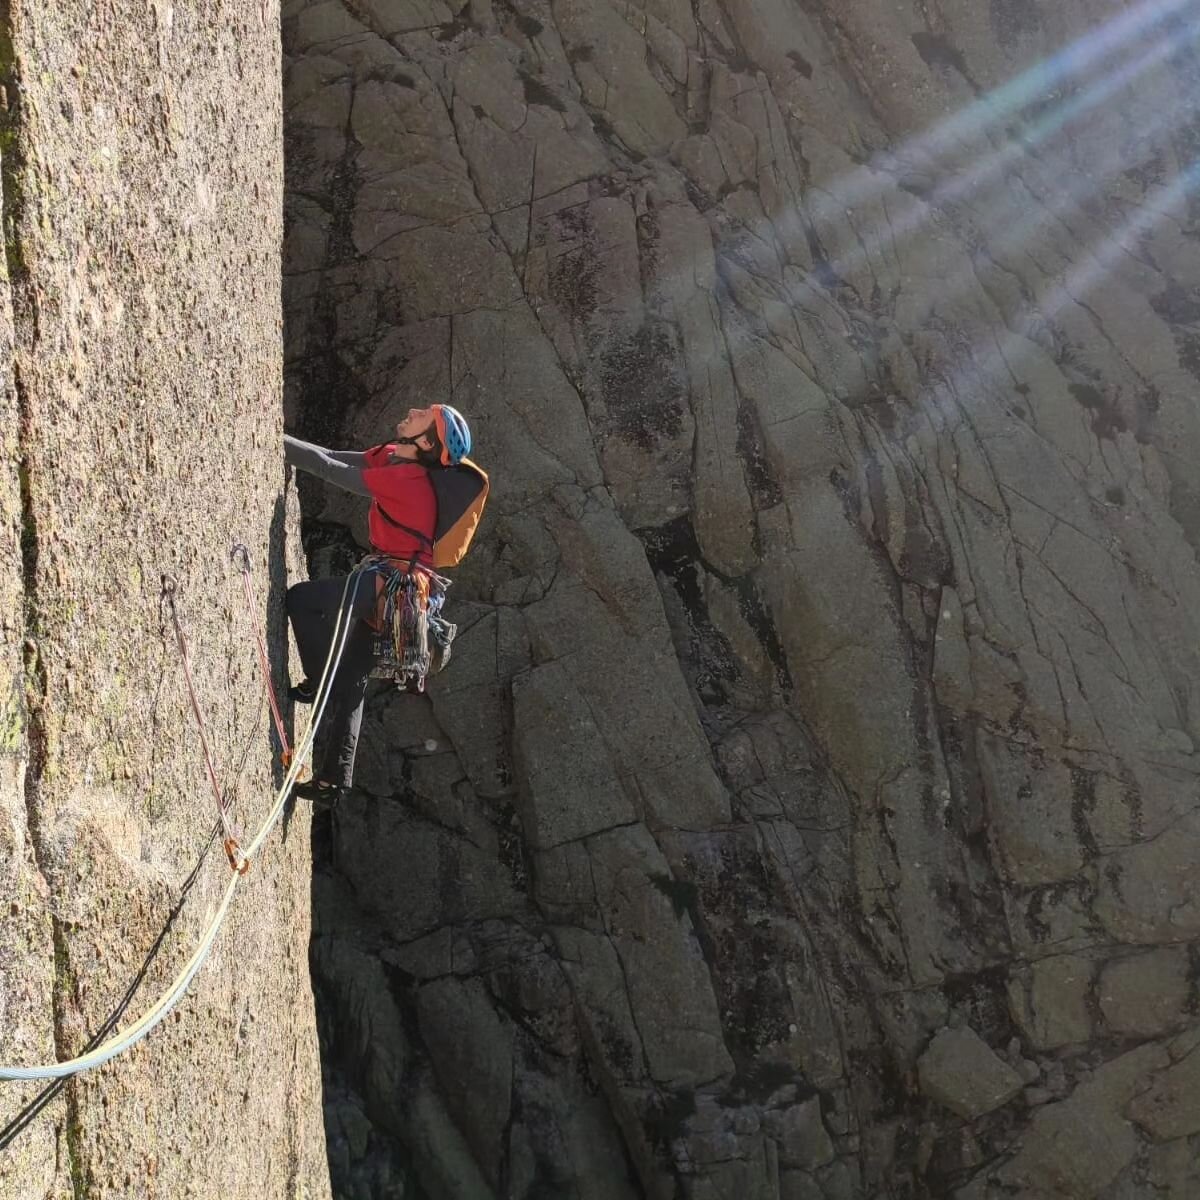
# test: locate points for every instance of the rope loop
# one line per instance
(240, 860)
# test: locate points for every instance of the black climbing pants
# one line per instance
(313, 607)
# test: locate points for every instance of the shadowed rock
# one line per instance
(828, 674)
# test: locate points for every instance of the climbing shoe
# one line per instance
(304, 692)
(323, 795)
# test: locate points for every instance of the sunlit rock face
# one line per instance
(809, 810)
(140, 421)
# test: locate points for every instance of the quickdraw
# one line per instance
(238, 862)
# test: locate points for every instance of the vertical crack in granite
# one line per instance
(13, 167)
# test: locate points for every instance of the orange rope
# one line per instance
(285, 749)
(232, 845)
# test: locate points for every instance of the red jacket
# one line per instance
(403, 513)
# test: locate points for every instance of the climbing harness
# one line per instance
(411, 639)
(117, 1044)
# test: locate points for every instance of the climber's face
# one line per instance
(416, 423)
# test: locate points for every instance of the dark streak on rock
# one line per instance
(1192, 1004)
(1146, 405)
(1132, 798)
(667, 1116)
(708, 659)
(529, 26)
(387, 73)
(1083, 802)
(674, 553)
(936, 50)
(643, 385)
(1107, 420)
(731, 909)
(511, 848)
(680, 892)
(760, 1082)
(800, 63)
(449, 30)
(537, 92)
(607, 134)
(1177, 305)
(765, 492)
(574, 272)
(1187, 346)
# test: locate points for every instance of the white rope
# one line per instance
(121, 1042)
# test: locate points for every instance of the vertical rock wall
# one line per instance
(810, 807)
(140, 432)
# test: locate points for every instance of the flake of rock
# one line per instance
(1146, 995)
(1049, 1001)
(960, 1071)
(803, 1138)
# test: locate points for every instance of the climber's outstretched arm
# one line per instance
(342, 468)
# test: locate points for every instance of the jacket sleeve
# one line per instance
(342, 468)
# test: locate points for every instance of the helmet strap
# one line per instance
(415, 441)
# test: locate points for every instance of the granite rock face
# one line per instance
(828, 665)
(140, 423)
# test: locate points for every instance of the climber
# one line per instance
(426, 498)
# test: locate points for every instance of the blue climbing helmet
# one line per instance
(453, 432)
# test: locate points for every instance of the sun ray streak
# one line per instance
(1103, 256)
(1074, 188)
(918, 212)
(1090, 52)
(1004, 357)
